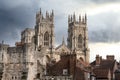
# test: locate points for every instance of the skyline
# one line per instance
(103, 21)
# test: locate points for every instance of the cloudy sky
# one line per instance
(103, 21)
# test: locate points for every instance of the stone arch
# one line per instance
(47, 58)
(81, 58)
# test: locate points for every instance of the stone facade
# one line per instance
(29, 57)
(78, 36)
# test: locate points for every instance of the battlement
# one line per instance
(27, 36)
(3, 46)
(15, 50)
(72, 19)
(41, 18)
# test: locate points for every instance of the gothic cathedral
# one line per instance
(36, 49)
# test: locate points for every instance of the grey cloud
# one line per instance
(60, 28)
(96, 1)
(106, 27)
(14, 17)
(17, 15)
(104, 1)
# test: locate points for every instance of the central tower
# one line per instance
(44, 29)
(77, 36)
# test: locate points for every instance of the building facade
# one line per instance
(30, 57)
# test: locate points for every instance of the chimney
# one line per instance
(72, 64)
(110, 57)
(98, 59)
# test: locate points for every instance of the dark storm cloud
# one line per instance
(104, 27)
(96, 1)
(60, 28)
(104, 1)
(14, 17)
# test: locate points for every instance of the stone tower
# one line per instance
(78, 37)
(27, 36)
(44, 30)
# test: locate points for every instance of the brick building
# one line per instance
(104, 69)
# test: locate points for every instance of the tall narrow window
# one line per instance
(46, 39)
(2, 56)
(80, 41)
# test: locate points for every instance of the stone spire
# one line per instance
(85, 18)
(52, 13)
(69, 18)
(80, 18)
(52, 16)
(40, 11)
(63, 41)
(74, 17)
(2, 41)
(47, 15)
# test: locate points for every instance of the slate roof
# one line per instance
(101, 70)
(67, 62)
(105, 63)
(57, 68)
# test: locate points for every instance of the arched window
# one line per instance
(46, 39)
(12, 77)
(80, 41)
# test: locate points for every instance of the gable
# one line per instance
(62, 48)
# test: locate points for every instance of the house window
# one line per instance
(93, 78)
(46, 39)
(15, 77)
(53, 78)
(38, 75)
(80, 41)
(65, 71)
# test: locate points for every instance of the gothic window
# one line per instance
(12, 77)
(15, 77)
(80, 41)
(38, 75)
(2, 56)
(46, 39)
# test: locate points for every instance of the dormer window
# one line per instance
(65, 71)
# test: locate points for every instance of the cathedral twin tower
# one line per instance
(44, 29)
(77, 40)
